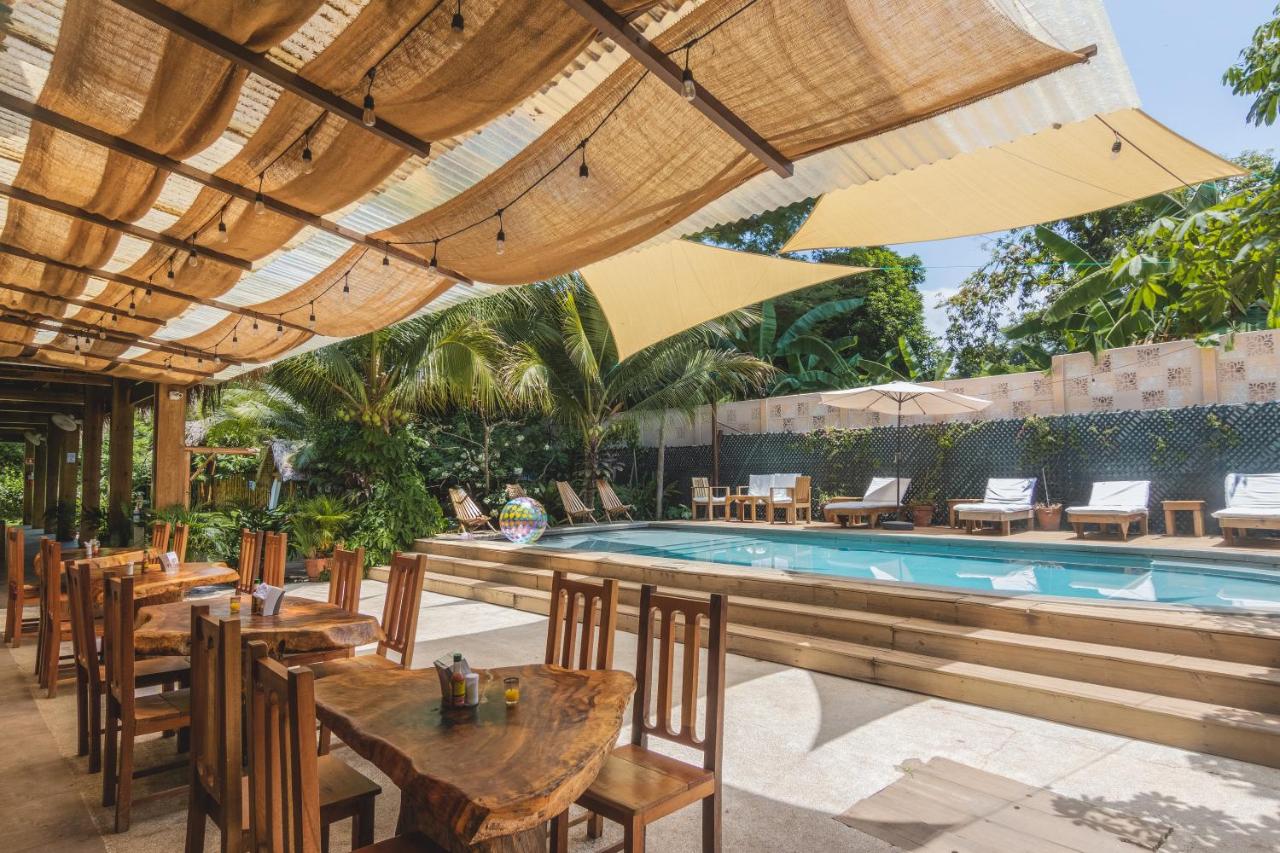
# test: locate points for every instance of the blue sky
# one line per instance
(1176, 51)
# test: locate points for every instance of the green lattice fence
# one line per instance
(1184, 452)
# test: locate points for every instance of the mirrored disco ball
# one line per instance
(522, 520)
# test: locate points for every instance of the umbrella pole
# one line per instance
(898, 523)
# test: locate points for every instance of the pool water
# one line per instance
(1123, 577)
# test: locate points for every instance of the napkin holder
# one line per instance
(271, 598)
(169, 562)
(444, 671)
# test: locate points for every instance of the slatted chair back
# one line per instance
(14, 550)
(160, 536)
(609, 499)
(51, 583)
(400, 609)
(664, 621)
(346, 570)
(700, 489)
(465, 509)
(14, 555)
(250, 558)
(84, 644)
(594, 606)
(283, 765)
(113, 561)
(117, 641)
(216, 710)
(181, 533)
(275, 547)
(515, 490)
(573, 505)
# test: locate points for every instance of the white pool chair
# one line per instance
(1253, 503)
(1118, 502)
(1006, 500)
(881, 498)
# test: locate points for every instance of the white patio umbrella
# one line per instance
(899, 398)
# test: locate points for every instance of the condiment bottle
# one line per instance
(473, 688)
(458, 682)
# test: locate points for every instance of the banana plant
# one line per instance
(812, 363)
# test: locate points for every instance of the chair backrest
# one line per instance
(117, 640)
(572, 503)
(84, 644)
(608, 497)
(401, 606)
(464, 508)
(515, 490)
(1255, 491)
(1126, 493)
(1010, 491)
(758, 485)
(885, 489)
(782, 486)
(659, 622)
(593, 604)
(250, 558)
(284, 780)
(275, 548)
(181, 533)
(700, 489)
(216, 685)
(160, 536)
(14, 555)
(346, 570)
(51, 580)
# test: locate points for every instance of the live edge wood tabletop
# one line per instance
(486, 779)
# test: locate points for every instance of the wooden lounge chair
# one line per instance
(880, 499)
(574, 508)
(1253, 503)
(1118, 502)
(708, 498)
(610, 502)
(1006, 501)
(467, 512)
(791, 494)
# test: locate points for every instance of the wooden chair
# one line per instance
(795, 501)
(130, 715)
(708, 498)
(289, 785)
(399, 618)
(168, 671)
(250, 558)
(181, 533)
(216, 750)
(160, 536)
(21, 593)
(275, 552)
(610, 502)
(55, 627)
(638, 786)
(467, 512)
(346, 571)
(575, 509)
(595, 606)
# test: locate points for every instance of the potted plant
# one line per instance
(1041, 444)
(922, 514)
(316, 524)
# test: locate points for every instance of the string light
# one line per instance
(434, 262)
(457, 24)
(346, 285)
(169, 274)
(1115, 147)
(307, 165)
(255, 324)
(133, 309)
(689, 88)
(235, 336)
(279, 329)
(386, 262)
(76, 339)
(222, 225)
(502, 234)
(583, 171)
(367, 116)
(259, 205)
(312, 318)
(102, 334)
(193, 260)
(147, 292)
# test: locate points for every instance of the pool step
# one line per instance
(1239, 638)
(1234, 732)
(1200, 679)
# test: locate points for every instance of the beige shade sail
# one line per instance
(654, 293)
(1042, 177)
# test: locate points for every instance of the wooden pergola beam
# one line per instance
(259, 64)
(122, 338)
(87, 353)
(176, 243)
(52, 375)
(121, 278)
(113, 310)
(35, 112)
(43, 408)
(16, 394)
(599, 14)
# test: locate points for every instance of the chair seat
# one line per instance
(1106, 510)
(341, 783)
(156, 707)
(718, 499)
(1248, 512)
(1006, 509)
(334, 667)
(855, 505)
(635, 780)
(151, 671)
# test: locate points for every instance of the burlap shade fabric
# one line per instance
(1042, 177)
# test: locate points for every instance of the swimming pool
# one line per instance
(1083, 573)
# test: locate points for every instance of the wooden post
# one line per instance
(52, 478)
(68, 474)
(120, 465)
(91, 458)
(169, 483)
(28, 484)
(662, 465)
(37, 485)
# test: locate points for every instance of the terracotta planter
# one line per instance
(1049, 517)
(315, 566)
(922, 514)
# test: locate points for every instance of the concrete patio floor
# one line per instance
(800, 748)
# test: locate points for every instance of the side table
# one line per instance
(1196, 508)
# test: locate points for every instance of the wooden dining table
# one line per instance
(484, 779)
(302, 625)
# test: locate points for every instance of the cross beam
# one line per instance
(36, 395)
(35, 112)
(124, 227)
(113, 310)
(122, 338)
(215, 42)
(121, 278)
(51, 375)
(610, 23)
(28, 407)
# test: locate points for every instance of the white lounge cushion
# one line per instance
(882, 489)
(1121, 493)
(715, 499)
(758, 485)
(845, 505)
(1006, 508)
(1107, 510)
(780, 486)
(1247, 512)
(1020, 491)
(1253, 491)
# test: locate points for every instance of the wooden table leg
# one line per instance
(1170, 523)
(530, 841)
(1197, 519)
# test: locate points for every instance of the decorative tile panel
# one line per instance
(1262, 392)
(1153, 399)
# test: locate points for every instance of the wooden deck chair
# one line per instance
(181, 533)
(21, 594)
(574, 508)
(275, 551)
(610, 502)
(708, 498)
(467, 512)
(250, 558)
(159, 540)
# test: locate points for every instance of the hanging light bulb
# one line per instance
(199, 361)
(386, 262)
(434, 263)
(102, 334)
(147, 293)
(193, 259)
(279, 329)
(583, 171)
(259, 205)
(346, 285)
(77, 343)
(312, 318)
(1115, 148)
(217, 359)
(222, 225)
(367, 116)
(255, 324)
(502, 235)
(133, 309)
(457, 24)
(169, 274)
(235, 334)
(308, 166)
(689, 88)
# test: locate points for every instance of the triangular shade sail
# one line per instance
(654, 293)
(1041, 177)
